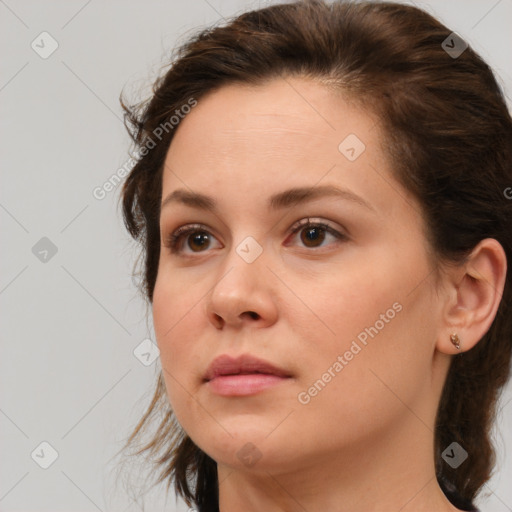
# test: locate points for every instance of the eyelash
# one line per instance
(173, 240)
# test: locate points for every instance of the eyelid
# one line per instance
(317, 221)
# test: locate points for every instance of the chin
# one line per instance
(252, 448)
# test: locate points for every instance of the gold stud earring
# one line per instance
(454, 338)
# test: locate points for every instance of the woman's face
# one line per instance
(347, 311)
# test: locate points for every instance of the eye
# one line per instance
(201, 239)
(313, 234)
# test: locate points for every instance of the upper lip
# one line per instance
(246, 363)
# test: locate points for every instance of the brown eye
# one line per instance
(198, 240)
(313, 236)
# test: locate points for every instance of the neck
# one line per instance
(396, 472)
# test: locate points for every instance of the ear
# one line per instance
(474, 295)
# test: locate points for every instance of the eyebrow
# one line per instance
(281, 200)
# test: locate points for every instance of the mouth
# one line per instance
(244, 375)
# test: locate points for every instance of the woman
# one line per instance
(321, 199)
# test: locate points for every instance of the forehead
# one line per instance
(287, 132)
(293, 115)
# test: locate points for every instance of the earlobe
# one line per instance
(479, 288)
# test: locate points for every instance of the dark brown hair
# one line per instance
(448, 136)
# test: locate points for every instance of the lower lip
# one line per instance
(242, 385)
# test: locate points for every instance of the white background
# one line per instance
(68, 375)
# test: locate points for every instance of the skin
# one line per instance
(364, 443)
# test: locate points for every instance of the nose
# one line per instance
(244, 294)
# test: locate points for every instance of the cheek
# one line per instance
(176, 319)
(177, 306)
(367, 337)
(344, 309)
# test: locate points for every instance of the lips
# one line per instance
(243, 376)
(243, 365)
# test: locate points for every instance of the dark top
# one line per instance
(455, 498)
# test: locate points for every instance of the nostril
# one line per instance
(253, 315)
(218, 320)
